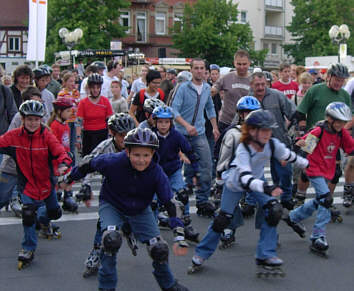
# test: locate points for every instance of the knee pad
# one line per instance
(183, 196)
(158, 250)
(28, 214)
(111, 240)
(337, 174)
(304, 177)
(325, 200)
(274, 213)
(54, 214)
(221, 221)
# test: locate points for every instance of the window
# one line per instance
(160, 23)
(274, 48)
(141, 27)
(14, 44)
(124, 20)
(243, 16)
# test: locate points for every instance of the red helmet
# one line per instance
(62, 103)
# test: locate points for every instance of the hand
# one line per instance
(192, 131)
(277, 192)
(216, 133)
(300, 143)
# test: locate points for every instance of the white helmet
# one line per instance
(339, 111)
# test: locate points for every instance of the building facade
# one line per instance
(268, 20)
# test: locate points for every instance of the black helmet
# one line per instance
(142, 137)
(338, 70)
(95, 79)
(121, 122)
(100, 65)
(32, 108)
(40, 72)
(261, 118)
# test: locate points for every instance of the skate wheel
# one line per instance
(20, 265)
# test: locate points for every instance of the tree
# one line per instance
(209, 29)
(310, 25)
(97, 18)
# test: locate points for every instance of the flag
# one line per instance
(37, 30)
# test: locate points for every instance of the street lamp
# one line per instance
(340, 35)
(70, 39)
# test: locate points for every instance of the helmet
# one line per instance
(32, 108)
(151, 103)
(100, 65)
(184, 76)
(338, 70)
(95, 79)
(62, 103)
(121, 122)
(40, 72)
(163, 112)
(248, 103)
(143, 137)
(268, 76)
(261, 118)
(339, 111)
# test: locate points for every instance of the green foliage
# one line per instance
(310, 25)
(97, 18)
(209, 30)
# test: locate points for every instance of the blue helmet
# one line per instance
(261, 119)
(163, 112)
(248, 103)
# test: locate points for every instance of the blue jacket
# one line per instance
(169, 148)
(184, 104)
(127, 189)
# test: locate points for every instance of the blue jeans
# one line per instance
(72, 140)
(282, 176)
(177, 183)
(29, 241)
(229, 203)
(144, 228)
(306, 210)
(8, 188)
(201, 149)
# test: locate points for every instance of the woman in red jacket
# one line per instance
(32, 146)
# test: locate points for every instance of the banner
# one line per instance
(37, 30)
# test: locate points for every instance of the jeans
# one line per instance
(177, 183)
(144, 228)
(211, 143)
(72, 140)
(282, 176)
(201, 149)
(29, 241)
(306, 210)
(229, 203)
(8, 188)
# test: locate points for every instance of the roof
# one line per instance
(14, 13)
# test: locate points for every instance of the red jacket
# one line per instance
(33, 154)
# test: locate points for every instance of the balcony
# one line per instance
(274, 32)
(274, 5)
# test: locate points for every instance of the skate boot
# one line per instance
(247, 210)
(336, 215)
(24, 258)
(84, 194)
(176, 287)
(186, 219)
(163, 220)
(300, 198)
(269, 267)
(69, 204)
(227, 239)
(48, 232)
(206, 209)
(190, 234)
(92, 263)
(197, 265)
(131, 240)
(298, 227)
(347, 195)
(16, 207)
(289, 204)
(319, 246)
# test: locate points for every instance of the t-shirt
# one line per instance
(289, 89)
(234, 87)
(316, 100)
(94, 115)
(62, 133)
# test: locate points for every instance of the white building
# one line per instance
(268, 20)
